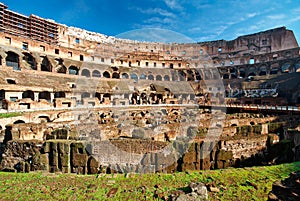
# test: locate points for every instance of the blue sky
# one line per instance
(194, 20)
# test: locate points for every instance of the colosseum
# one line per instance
(76, 101)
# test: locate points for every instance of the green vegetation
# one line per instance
(234, 184)
(8, 115)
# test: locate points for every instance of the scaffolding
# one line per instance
(33, 27)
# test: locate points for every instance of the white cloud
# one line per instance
(173, 4)
(250, 15)
(159, 20)
(159, 11)
(276, 17)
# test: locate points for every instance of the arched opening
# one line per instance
(232, 70)
(2, 95)
(46, 65)
(274, 71)
(150, 77)
(125, 76)
(43, 119)
(142, 76)
(98, 95)
(107, 97)
(116, 75)
(85, 95)
(96, 73)
(30, 60)
(233, 125)
(61, 69)
(106, 74)
(251, 71)
(158, 78)
(19, 122)
(190, 75)
(285, 68)
(198, 76)
(133, 76)
(182, 75)
(45, 95)
(297, 66)
(59, 94)
(12, 60)
(85, 73)
(251, 74)
(73, 70)
(242, 73)
(225, 76)
(263, 70)
(28, 94)
(167, 78)
(233, 76)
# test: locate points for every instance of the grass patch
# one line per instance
(8, 115)
(234, 184)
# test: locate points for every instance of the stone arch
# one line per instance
(190, 75)
(252, 71)
(297, 66)
(43, 119)
(28, 94)
(182, 75)
(85, 95)
(226, 76)
(116, 75)
(262, 70)
(197, 74)
(150, 77)
(46, 65)
(242, 72)
(96, 73)
(143, 77)
(73, 70)
(166, 78)
(85, 73)
(12, 60)
(30, 60)
(45, 95)
(252, 74)
(286, 67)
(61, 69)
(19, 122)
(106, 74)
(158, 78)
(133, 76)
(274, 71)
(92, 165)
(59, 94)
(125, 76)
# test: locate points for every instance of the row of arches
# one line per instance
(12, 60)
(43, 95)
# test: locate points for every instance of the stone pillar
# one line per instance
(264, 129)
(52, 97)
(36, 96)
